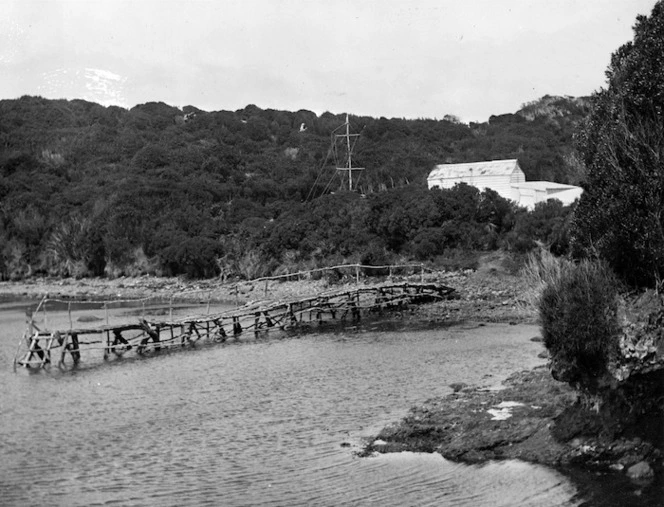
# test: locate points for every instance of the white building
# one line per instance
(532, 192)
(506, 178)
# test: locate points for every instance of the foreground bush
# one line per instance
(578, 312)
(621, 143)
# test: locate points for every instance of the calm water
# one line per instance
(260, 422)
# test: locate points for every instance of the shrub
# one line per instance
(375, 256)
(428, 243)
(194, 257)
(458, 259)
(578, 312)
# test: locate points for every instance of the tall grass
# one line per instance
(541, 269)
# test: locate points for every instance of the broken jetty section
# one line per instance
(41, 347)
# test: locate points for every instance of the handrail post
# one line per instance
(31, 322)
(45, 314)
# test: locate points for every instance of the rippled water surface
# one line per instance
(259, 422)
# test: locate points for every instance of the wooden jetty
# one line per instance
(39, 348)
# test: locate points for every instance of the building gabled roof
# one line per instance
(490, 168)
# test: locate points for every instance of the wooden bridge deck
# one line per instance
(41, 347)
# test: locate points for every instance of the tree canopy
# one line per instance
(93, 190)
(620, 215)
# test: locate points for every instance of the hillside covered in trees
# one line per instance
(87, 190)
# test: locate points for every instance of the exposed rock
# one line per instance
(642, 340)
(641, 471)
(462, 426)
(535, 418)
(457, 386)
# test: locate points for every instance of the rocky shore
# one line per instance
(126, 288)
(538, 419)
(534, 418)
(488, 294)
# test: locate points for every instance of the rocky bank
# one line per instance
(533, 418)
(616, 430)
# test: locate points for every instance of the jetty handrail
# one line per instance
(233, 288)
(153, 333)
(340, 266)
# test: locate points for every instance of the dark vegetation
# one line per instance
(87, 190)
(604, 330)
(579, 317)
(621, 215)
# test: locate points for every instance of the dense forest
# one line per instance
(87, 190)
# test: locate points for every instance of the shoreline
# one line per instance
(533, 418)
(489, 294)
(470, 425)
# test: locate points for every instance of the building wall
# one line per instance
(526, 197)
(500, 183)
(507, 185)
(518, 176)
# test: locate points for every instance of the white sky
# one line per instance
(392, 58)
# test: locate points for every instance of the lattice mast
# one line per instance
(347, 166)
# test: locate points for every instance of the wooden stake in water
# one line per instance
(45, 315)
(61, 362)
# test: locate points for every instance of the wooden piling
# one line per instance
(63, 351)
(45, 315)
(75, 349)
(107, 345)
(237, 327)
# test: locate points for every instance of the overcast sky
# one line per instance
(392, 58)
